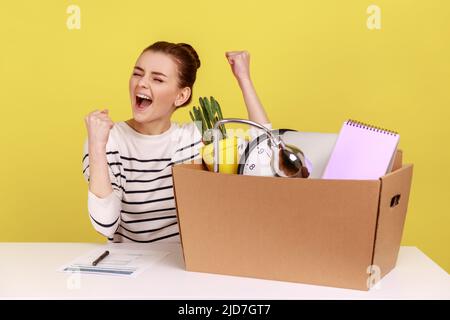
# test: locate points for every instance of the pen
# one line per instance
(103, 256)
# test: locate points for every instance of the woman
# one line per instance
(128, 164)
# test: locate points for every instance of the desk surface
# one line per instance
(415, 277)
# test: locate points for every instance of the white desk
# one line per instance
(415, 277)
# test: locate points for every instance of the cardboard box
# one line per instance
(341, 233)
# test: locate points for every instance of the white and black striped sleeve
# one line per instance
(190, 146)
(104, 213)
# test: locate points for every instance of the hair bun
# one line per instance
(192, 52)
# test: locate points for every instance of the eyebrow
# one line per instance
(153, 72)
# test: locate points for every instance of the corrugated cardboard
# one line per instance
(324, 232)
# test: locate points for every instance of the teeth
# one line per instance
(143, 96)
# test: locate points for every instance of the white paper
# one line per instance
(119, 262)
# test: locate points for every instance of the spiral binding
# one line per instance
(358, 124)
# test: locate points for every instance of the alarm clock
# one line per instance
(257, 156)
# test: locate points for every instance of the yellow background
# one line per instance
(314, 64)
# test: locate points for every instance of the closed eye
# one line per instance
(159, 80)
(137, 74)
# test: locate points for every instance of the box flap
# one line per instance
(394, 196)
(398, 160)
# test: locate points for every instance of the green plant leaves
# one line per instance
(207, 114)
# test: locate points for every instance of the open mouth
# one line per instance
(143, 101)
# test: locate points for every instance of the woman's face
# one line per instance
(154, 90)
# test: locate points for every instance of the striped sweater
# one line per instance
(141, 207)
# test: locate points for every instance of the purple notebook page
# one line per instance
(361, 153)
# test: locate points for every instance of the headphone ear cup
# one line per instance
(305, 172)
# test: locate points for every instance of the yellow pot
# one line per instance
(228, 155)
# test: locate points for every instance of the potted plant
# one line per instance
(205, 117)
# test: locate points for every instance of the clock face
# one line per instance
(255, 161)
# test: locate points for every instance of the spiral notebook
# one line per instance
(362, 151)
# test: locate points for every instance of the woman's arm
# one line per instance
(240, 65)
(98, 125)
(104, 210)
(99, 182)
(104, 204)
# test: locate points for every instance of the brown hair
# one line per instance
(185, 57)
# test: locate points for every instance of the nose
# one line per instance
(143, 82)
